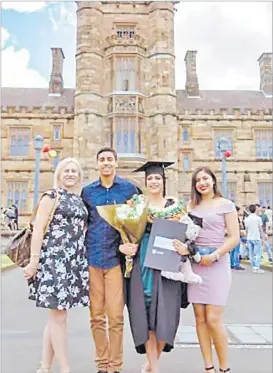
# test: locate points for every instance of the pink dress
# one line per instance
(216, 278)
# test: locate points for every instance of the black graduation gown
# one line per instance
(162, 316)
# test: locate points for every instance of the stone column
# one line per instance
(89, 104)
(192, 86)
(162, 125)
(265, 63)
(56, 78)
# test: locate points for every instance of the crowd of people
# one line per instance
(255, 224)
(80, 261)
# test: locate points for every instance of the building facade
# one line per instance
(125, 97)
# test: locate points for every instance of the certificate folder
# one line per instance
(161, 254)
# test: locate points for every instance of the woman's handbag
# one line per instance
(18, 250)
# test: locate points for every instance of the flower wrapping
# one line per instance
(129, 220)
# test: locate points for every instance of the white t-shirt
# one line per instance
(253, 224)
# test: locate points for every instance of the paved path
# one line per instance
(248, 319)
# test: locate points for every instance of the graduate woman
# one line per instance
(153, 301)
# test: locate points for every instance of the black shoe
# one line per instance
(102, 371)
(239, 269)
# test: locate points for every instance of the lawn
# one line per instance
(6, 262)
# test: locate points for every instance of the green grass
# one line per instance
(5, 261)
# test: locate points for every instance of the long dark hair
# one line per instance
(196, 197)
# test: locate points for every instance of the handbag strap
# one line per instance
(56, 200)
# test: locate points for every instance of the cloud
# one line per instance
(229, 38)
(15, 69)
(5, 36)
(22, 6)
(63, 16)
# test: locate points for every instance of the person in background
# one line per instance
(10, 213)
(264, 218)
(267, 247)
(268, 213)
(16, 213)
(235, 253)
(258, 209)
(253, 224)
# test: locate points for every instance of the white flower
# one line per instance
(47, 276)
(62, 294)
(126, 211)
(73, 263)
(48, 261)
(42, 298)
(85, 299)
(43, 288)
(60, 267)
(58, 233)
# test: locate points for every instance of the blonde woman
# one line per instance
(58, 268)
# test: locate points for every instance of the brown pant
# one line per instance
(106, 300)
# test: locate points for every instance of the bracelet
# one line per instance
(217, 256)
(35, 255)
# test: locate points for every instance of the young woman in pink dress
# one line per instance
(209, 298)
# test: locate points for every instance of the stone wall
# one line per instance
(243, 160)
(22, 168)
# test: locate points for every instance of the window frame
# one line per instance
(184, 157)
(123, 28)
(13, 129)
(270, 190)
(223, 133)
(10, 201)
(125, 80)
(121, 148)
(60, 127)
(185, 130)
(268, 139)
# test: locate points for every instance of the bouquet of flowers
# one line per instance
(129, 220)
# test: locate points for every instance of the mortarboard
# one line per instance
(154, 167)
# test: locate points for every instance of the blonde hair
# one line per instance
(62, 164)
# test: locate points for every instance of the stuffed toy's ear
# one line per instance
(196, 220)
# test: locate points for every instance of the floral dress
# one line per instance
(62, 279)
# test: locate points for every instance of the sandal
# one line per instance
(143, 370)
(210, 368)
(224, 370)
(40, 370)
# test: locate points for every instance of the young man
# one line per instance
(253, 224)
(264, 218)
(235, 253)
(268, 213)
(106, 279)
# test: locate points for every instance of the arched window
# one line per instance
(185, 134)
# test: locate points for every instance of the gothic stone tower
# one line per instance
(125, 85)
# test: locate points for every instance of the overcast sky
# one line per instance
(229, 38)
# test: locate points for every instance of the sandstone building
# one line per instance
(125, 97)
